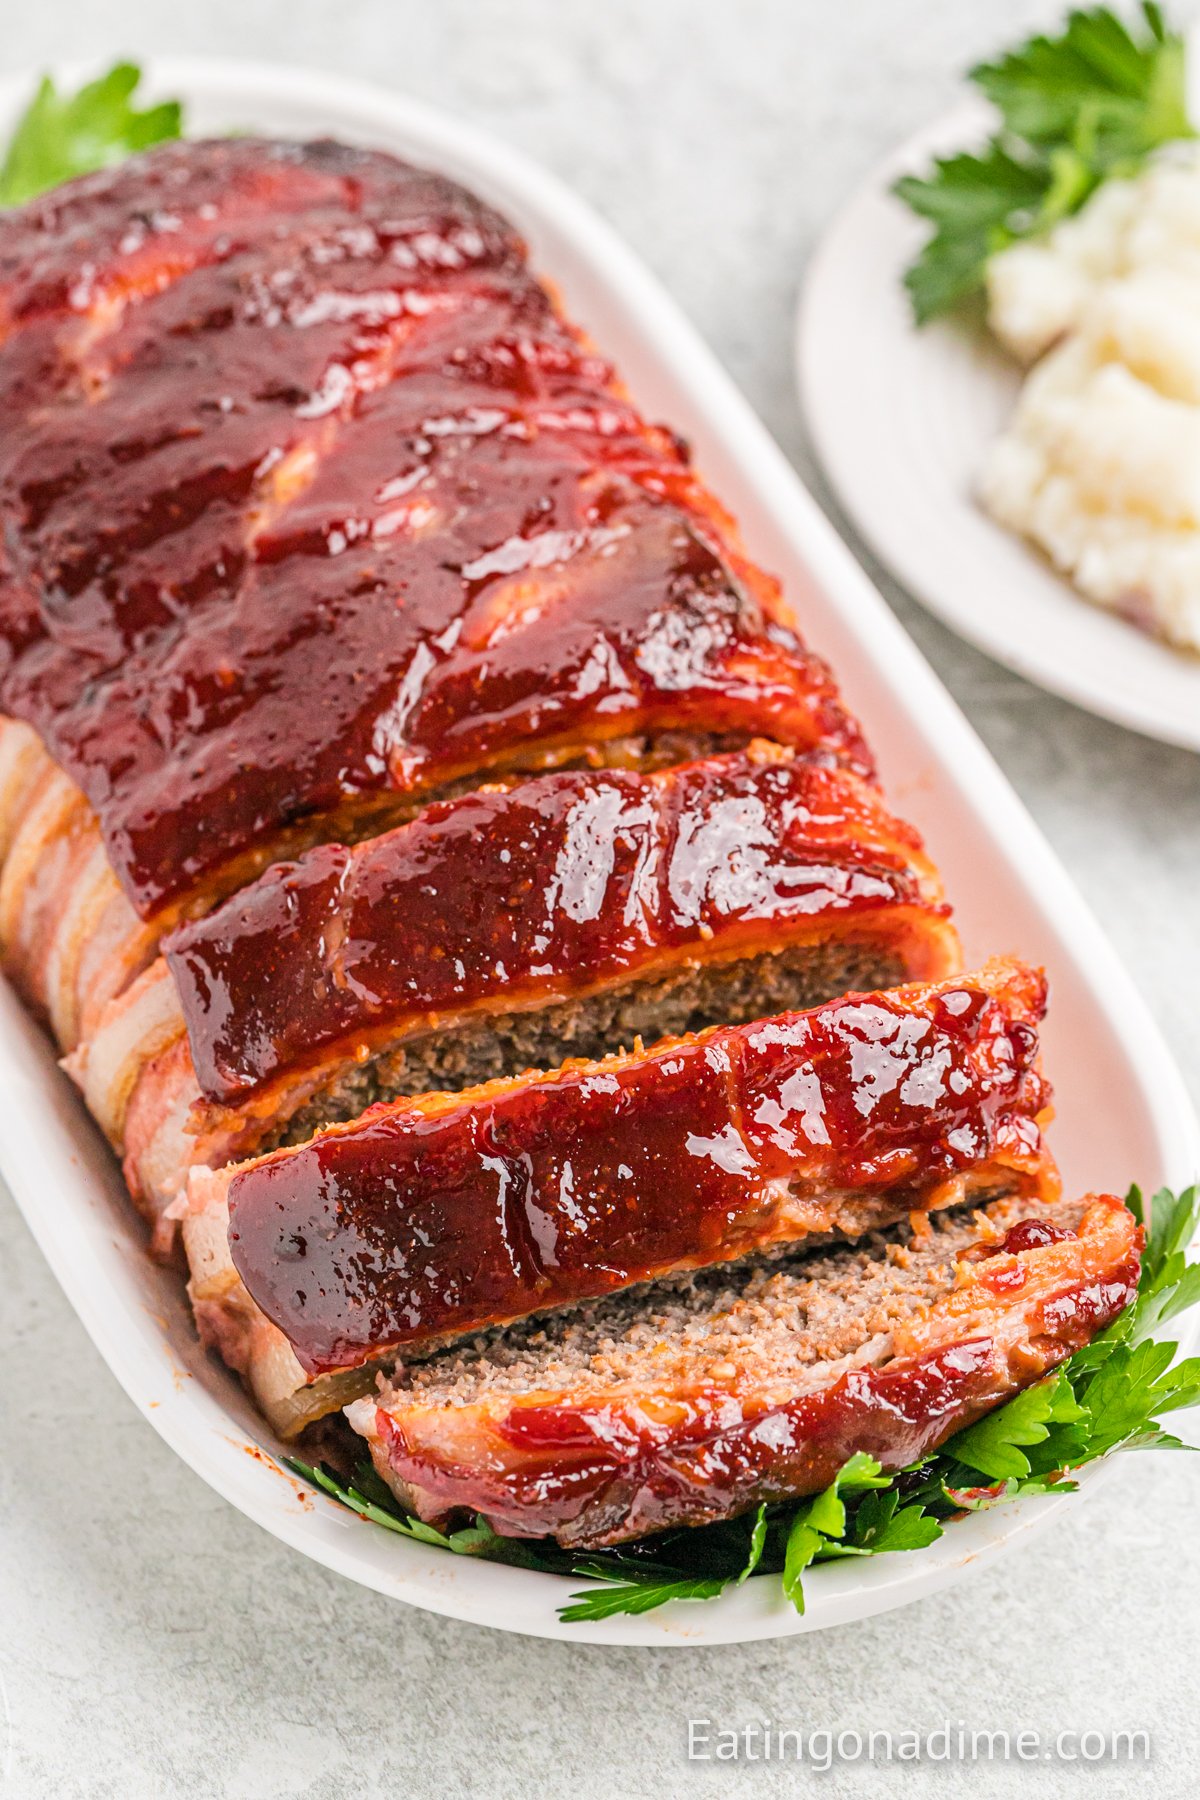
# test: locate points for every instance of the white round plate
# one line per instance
(902, 418)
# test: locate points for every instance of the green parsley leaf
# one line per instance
(882, 1524)
(911, 1528)
(1172, 1226)
(353, 1497)
(1095, 101)
(474, 1540)
(978, 204)
(758, 1541)
(827, 1512)
(1096, 86)
(648, 1589)
(803, 1542)
(996, 1444)
(1127, 1394)
(819, 1527)
(61, 135)
(639, 1597)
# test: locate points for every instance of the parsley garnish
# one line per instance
(1108, 1396)
(61, 135)
(999, 1444)
(640, 1596)
(819, 1527)
(1075, 109)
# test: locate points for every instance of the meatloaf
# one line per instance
(459, 891)
(429, 1217)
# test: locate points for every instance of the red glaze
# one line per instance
(599, 1467)
(1031, 1234)
(436, 1215)
(562, 885)
(373, 519)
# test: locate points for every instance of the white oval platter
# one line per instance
(1123, 1112)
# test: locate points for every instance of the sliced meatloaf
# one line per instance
(510, 928)
(697, 1399)
(430, 1217)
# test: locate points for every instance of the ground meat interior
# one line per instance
(729, 993)
(771, 1320)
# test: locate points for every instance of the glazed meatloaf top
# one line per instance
(374, 517)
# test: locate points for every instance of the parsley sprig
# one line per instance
(1109, 1396)
(61, 135)
(1094, 102)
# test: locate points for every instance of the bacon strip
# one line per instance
(539, 893)
(69, 938)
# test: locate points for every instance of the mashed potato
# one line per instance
(1100, 465)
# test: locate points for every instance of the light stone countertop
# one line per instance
(153, 1642)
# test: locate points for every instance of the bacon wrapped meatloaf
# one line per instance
(460, 894)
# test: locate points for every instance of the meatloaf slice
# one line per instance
(699, 1398)
(513, 927)
(431, 1217)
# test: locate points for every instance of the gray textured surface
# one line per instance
(152, 1641)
